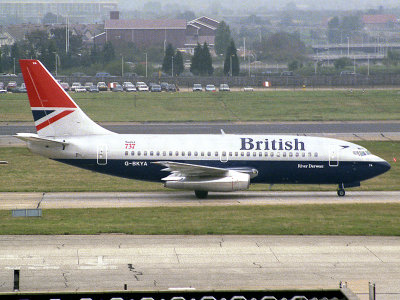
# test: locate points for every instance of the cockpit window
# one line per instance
(361, 153)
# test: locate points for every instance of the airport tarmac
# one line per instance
(187, 198)
(107, 262)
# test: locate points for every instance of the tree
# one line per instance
(196, 60)
(178, 63)
(206, 61)
(281, 47)
(342, 62)
(293, 65)
(334, 31)
(186, 15)
(222, 38)
(201, 61)
(231, 63)
(108, 52)
(167, 61)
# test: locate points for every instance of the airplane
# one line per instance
(198, 162)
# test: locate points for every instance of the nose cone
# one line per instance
(381, 167)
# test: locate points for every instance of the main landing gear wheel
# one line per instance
(201, 194)
(341, 192)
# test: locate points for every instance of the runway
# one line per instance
(186, 198)
(107, 262)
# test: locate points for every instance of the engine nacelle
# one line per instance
(234, 181)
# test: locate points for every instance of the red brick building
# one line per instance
(144, 33)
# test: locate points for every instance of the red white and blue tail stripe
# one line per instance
(54, 112)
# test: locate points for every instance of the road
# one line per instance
(107, 262)
(184, 198)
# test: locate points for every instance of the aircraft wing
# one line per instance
(191, 170)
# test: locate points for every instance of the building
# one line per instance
(379, 22)
(144, 33)
(33, 11)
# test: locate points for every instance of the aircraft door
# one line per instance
(101, 155)
(224, 157)
(334, 157)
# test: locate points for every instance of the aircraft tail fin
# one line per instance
(54, 112)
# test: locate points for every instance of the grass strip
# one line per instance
(270, 105)
(351, 219)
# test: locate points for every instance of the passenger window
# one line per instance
(195, 153)
(208, 153)
(132, 153)
(316, 154)
(254, 153)
(126, 152)
(278, 154)
(297, 154)
(164, 153)
(303, 154)
(202, 153)
(170, 153)
(183, 153)
(241, 153)
(230, 154)
(151, 153)
(272, 154)
(158, 153)
(236, 153)
(176, 153)
(284, 154)
(248, 153)
(266, 154)
(145, 153)
(290, 154)
(189, 153)
(260, 154)
(216, 154)
(139, 153)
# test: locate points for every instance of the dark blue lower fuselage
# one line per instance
(273, 172)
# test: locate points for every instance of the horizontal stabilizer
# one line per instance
(31, 137)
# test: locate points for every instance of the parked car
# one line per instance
(248, 89)
(117, 88)
(172, 87)
(75, 85)
(142, 87)
(1, 85)
(347, 72)
(155, 88)
(80, 89)
(93, 89)
(287, 73)
(128, 86)
(197, 87)
(164, 86)
(102, 86)
(65, 86)
(11, 85)
(20, 89)
(210, 88)
(88, 85)
(223, 87)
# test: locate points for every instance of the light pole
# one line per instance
(146, 64)
(14, 64)
(231, 64)
(122, 66)
(348, 46)
(172, 66)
